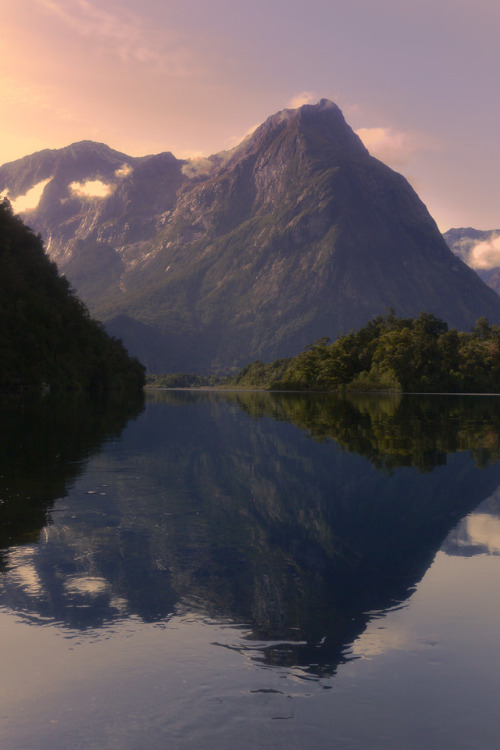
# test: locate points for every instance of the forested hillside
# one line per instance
(397, 354)
(47, 338)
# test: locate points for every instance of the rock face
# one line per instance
(298, 233)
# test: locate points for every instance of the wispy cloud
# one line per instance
(388, 145)
(197, 165)
(305, 97)
(125, 34)
(395, 147)
(123, 171)
(235, 140)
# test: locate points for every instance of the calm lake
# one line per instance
(221, 570)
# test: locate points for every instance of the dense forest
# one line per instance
(184, 380)
(413, 355)
(47, 337)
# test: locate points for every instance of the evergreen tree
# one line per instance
(47, 337)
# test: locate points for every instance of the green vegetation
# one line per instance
(412, 355)
(183, 380)
(259, 375)
(390, 430)
(47, 338)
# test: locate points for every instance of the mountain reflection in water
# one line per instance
(45, 443)
(217, 503)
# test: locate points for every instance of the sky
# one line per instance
(417, 79)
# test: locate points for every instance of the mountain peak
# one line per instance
(298, 233)
(321, 108)
(324, 105)
(86, 147)
(321, 124)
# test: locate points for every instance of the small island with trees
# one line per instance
(411, 355)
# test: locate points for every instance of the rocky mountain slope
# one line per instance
(298, 233)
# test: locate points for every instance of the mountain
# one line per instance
(47, 337)
(242, 519)
(464, 241)
(297, 233)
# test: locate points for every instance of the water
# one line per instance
(247, 570)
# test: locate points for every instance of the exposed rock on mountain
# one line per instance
(298, 233)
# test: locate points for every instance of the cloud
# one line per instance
(91, 189)
(30, 200)
(123, 171)
(375, 641)
(92, 585)
(485, 254)
(235, 140)
(390, 146)
(24, 571)
(305, 97)
(125, 34)
(484, 530)
(197, 165)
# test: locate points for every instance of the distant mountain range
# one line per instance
(205, 265)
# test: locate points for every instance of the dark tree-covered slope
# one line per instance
(298, 233)
(47, 337)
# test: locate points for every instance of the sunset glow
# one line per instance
(415, 80)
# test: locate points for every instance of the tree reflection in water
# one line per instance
(297, 516)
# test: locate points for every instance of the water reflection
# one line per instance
(479, 532)
(219, 504)
(391, 431)
(45, 443)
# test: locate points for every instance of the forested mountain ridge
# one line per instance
(202, 266)
(47, 338)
